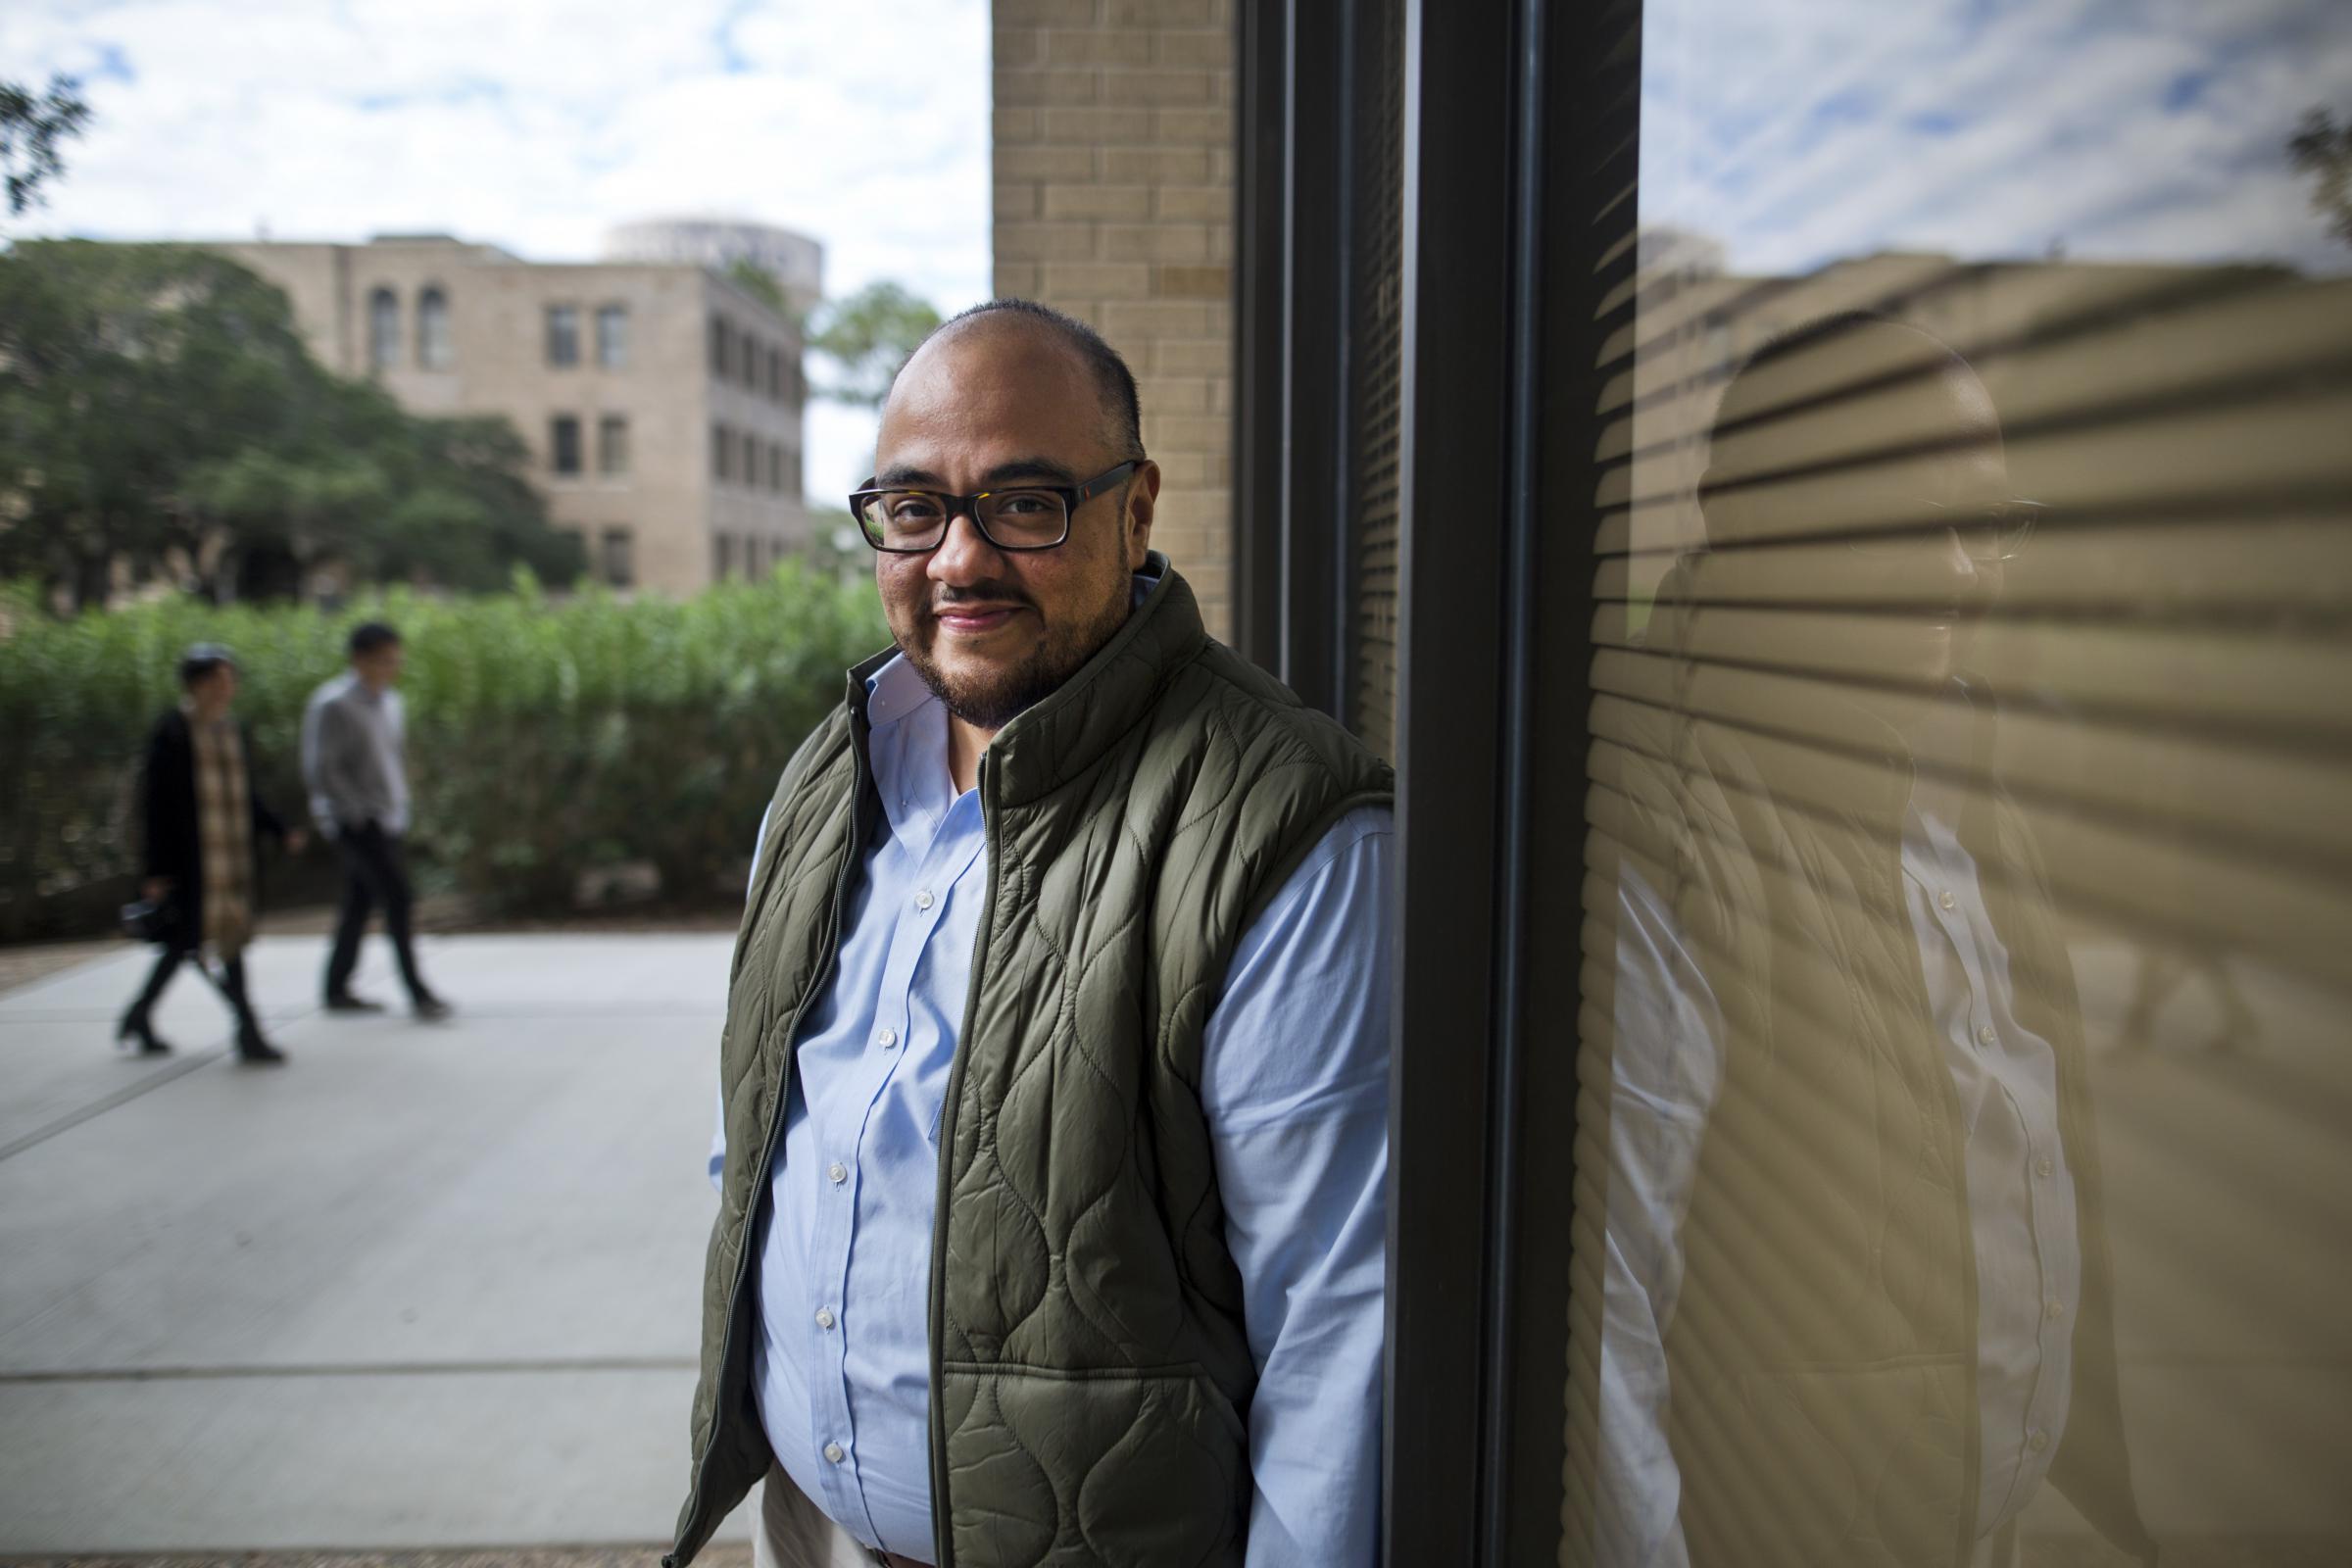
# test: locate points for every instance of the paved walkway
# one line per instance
(427, 1287)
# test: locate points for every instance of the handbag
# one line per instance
(150, 920)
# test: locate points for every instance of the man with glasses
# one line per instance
(1857, 1306)
(1052, 1094)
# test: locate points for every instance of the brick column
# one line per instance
(1113, 165)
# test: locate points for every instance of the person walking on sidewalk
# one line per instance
(202, 826)
(352, 737)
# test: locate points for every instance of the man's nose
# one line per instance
(963, 553)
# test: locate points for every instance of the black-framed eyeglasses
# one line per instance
(1988, 531)
(1023, 517)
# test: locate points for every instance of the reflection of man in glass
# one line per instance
(1857, 1304)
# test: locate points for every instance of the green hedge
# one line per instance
(546, 737)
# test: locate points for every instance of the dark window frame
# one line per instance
(564, 438)
(436, 341)
(561, 336)
(612, 348)
(1518, 129)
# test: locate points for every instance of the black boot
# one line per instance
(135, 1025)
(255, 1052)
(252, 1049)
(144, 1042)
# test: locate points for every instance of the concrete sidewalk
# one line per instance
(429, 1286)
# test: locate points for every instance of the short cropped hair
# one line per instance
(369, 635)
(1121, 408)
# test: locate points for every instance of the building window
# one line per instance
(723, 566)
(792, 471)
(721, 347)
(723, 452)
(750, 459)
(612, 444)
(564, 443)
(563, 334)
(751, 359)
(775, 374)
(383, 329)
(612, 336)
(775, 465)
(619, 560)
(434, 349)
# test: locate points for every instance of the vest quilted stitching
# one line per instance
(1090, 1374)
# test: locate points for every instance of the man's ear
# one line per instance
(1143, 499)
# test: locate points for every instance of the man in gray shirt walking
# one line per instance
(352, 734)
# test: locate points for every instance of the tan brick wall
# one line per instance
(1114, 202)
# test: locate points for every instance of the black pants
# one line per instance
(233, 988)
(375, 871)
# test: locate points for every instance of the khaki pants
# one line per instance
(794, 1532)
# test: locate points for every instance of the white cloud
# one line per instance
(1798, 131)
(535, 125)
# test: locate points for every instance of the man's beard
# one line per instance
(996, 698)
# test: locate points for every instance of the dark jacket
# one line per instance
(171, 845)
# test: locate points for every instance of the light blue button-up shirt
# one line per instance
(1295, 1086)
(1666, 1071)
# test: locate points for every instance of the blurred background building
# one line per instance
(792, 261)
(661, 399)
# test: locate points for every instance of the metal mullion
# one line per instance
(1455, 494)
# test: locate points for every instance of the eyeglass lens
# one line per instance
(917, 520)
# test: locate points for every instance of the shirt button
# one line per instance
(2046, 1167)
(838, 1172)
(824, 1317)
(2054, 1311)
(1946, 900)
(923, 899)
(889, 1037)
(833, 1452)
(1986, 1035)
(2038, 1439)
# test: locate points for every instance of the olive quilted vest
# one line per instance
(1090, 1375)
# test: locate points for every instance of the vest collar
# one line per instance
(1072, 729)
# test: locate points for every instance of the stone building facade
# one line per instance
(1113, 167)
(661, 403)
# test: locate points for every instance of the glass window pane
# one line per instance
(563, 334)
(563, 441)
(383, 329)
(612, 444)
(612, 336)
(435, 350)
(1969, 1111)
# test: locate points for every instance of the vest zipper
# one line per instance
(942, 1536)
(775, 1124)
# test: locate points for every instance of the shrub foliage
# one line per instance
(546, 737)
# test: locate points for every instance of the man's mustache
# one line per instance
(981, 593)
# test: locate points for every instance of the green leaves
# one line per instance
(869, 334)
(546, 737)
(159, 406)
(30, 127)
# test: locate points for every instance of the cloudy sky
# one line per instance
(1797, 131)
(533, 124)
